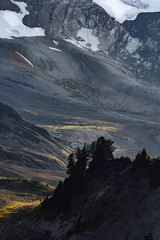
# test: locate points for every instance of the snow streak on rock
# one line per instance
(55, 49)
(25, 59)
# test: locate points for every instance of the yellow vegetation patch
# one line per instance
(82, 127)
(29, 111)
(14, 206)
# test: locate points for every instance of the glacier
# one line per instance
(123, 10)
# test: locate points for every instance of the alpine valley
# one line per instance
(70, 72)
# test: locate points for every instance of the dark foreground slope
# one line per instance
(106, 198)
(28, 151)
(103, 198)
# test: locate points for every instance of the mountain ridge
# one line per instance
(20, 151)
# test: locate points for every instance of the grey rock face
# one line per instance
(64, 19)
(136, 42)
(144, 60)
(8, 5)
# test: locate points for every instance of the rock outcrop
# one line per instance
(8, 5)
(136, 45)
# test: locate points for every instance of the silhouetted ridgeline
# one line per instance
(97, 164)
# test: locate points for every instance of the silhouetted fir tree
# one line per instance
(99, 155)
(78, 176)
(125, 161)
(64, 192)
(122, 163)
(149, 166)
(71, 164)
(102, 151)
(54, 201)
(142, 160)
(59, 189)
(82, 158)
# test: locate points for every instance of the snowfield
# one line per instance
(86, 40)
(122, 10)
(11, 24)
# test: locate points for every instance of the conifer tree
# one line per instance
(82, 159)
(142, 159)
(71, 165)
(102, 151)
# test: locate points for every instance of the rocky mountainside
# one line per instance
(104, 197)
(27, 150)
(135, 44)
(78, 96)
(63, 19)
(56, 83)
(124, 206)
(144, 32)
(137, 48)
(8, 5)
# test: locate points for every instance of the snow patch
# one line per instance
(90, 41)
(74, 42)
(133, 44)
(11, 24)
(126, 10)
(55, 49)
(87, 40)
(25, 59)
(55, 42)
(11, 18)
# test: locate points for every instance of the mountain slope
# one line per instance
(66, 88)
(87, 25)
(27, 150)
(88, 89)
(105, 197)
(110, 198)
